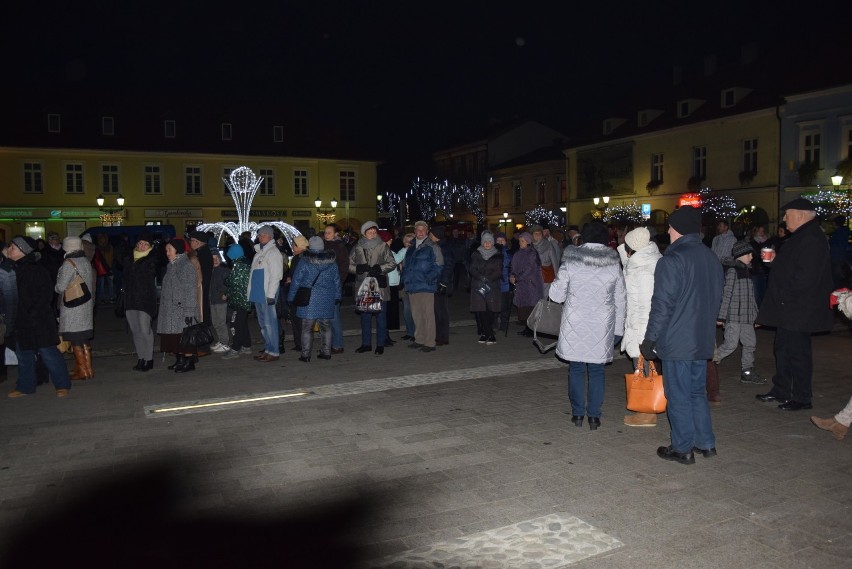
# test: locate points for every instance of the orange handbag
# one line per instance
(645, 393)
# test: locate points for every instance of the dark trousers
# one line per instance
(296, 323)
(794, 365)
(393, 308)
(442, 318)
(239, 329)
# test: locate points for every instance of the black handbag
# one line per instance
(198, 334)
(303, 294)
(120, 308)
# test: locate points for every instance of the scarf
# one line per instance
(487, 253)
(370, 243)
(140, 254)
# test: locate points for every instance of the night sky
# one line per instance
(402, 77)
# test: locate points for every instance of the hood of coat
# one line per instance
(324, 257)
(591, 254)
(647, 255)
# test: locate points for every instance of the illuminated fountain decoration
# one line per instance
(243, 185)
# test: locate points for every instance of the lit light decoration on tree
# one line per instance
(624, 214)
(722, 206)
(243, 185)
(540, 215)
(828, 202)
(390, 204)
(438, 197)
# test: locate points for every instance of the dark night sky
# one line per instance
(406, 76)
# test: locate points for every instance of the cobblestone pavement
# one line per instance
(461, 457)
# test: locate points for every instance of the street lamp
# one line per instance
(325, 216)
(598, 200)
(111, 215)
(505, 223)
(836, 180)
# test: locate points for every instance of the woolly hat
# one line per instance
(487, 236)
(26, 244)
(199, 235)
(535, 228)
(526, 237)
(638, 238)
(179, 245)
(235, 251)
(367, 225)
(499, 235)
(71, 244)
(266, 230)
(87, 237)
(741, 248)
(316, 244)
(146, 237)
(595, 232)
(300, 242)
(686, 220)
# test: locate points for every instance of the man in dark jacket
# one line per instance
(422, 267)
(8, 306)
(796, 304)
(36, 331)
(332, 242)
(445, 287)
(681, 331)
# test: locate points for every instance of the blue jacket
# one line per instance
(422, 267)
(688, 284)
(319, 265)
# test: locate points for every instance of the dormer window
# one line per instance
(688, 106)
(169, 129)
(732, 96)
(611, 124)
(227, 131)
(646, 116)
(108, 126)
(53, 123)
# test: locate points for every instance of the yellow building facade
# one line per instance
(56, 189)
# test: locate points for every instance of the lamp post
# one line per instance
(325, 216)
(111, 215)
(601, 204)
(505, 223)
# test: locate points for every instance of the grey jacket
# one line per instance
(79, 318)
(179, 296)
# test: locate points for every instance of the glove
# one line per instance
(375, 271)
(617, 340)
(187, 320)
(442, 289)
(362, 268)
(270, 301)
(648, 349)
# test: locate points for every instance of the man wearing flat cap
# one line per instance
(681, 331)
(422, 268)
(796, 304)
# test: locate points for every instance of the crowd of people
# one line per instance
(626, 289)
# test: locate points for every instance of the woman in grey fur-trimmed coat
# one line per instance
(76, 324)
(179, 304)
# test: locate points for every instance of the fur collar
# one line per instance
(591, 254)
(324, 257)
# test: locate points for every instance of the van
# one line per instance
(132, 231)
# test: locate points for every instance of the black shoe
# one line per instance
(149, 365)
(577, 420)
(526, 332)
(428, 349)
(667, 453)
(363, 349)
(415, 345)
(707, 452)
(324, 356)
(594, 423)
(389, 343)
(407, 337)
(482, 339)
(769, 398)
(178, 362)
(794, 406)
(306, 359)
(188, 365)
(380, 350)
(139, 365)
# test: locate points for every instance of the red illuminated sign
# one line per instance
(689, 199)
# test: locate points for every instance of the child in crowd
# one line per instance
(739, 311)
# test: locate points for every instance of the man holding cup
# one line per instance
(796, 304)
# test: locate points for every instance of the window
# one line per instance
(811, 146)
(267, 185)
(728, 98)
(657, 168)
(300, 183)
(33, 178)
(227, 131)
(108, 126)
(347, 186)
(495, 192)
(109, 178)
(683, 109)
(192, 177)
(541, 186)
(170, 129)
(53, 123)
(74, 178)
(846, 148)
(518, 194)
(563, 189)
(153, 180)
(277, 133)
(699, 162)
(226, 175)
(750, 155)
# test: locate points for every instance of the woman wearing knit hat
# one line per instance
(486, 269)
(140, 298)
(180, 298)
(372, 258)
(76, 324)
(526, 277)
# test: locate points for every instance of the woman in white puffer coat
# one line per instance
(639, 257)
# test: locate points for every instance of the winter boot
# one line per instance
(751, 376)
(79, 371)
(837, 429)
(86, 372)
(178, 362)
(188, 365)
(147, 365)
(641, 420)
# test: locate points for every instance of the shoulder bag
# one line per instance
(77, 292)
(198, 334)
(645, 393)
(545, 318)
(303, 294)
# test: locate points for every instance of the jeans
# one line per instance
(336, 329)
(381, 327)
(685, 383)
(268, 321)
(308, 335)
(52, 360)
(577, 388)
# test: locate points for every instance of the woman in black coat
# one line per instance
(140, 298)
(486, 273)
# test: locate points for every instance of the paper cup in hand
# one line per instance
(767, 254)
